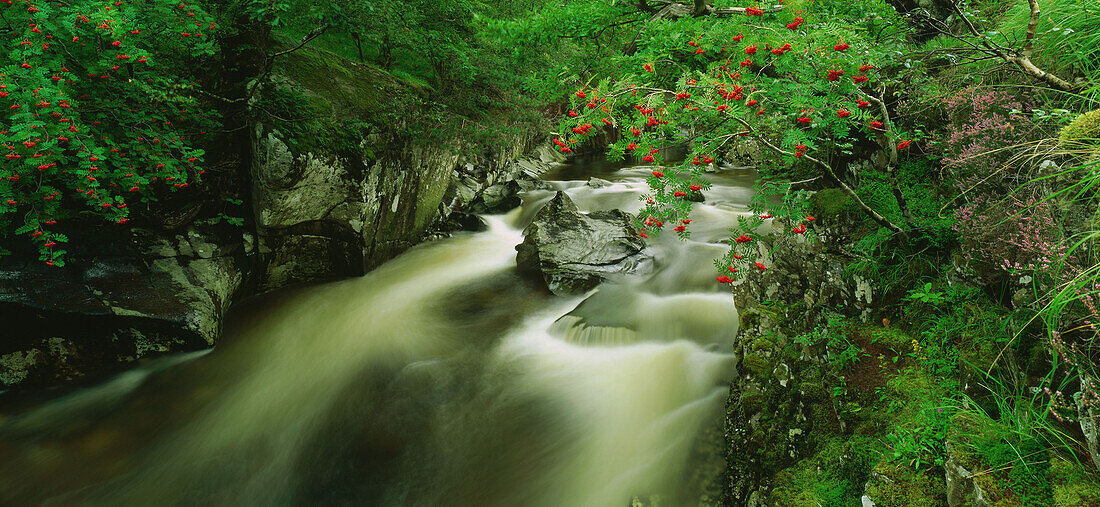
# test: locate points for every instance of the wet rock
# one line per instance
(573, 252)
(115, 302)
(459, 221)
(496, 199)
(595, 182)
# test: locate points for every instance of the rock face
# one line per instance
(115, 302)
(781, 401)
(321, 215)
(573, 252)
(803, 271)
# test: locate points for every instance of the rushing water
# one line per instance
(441, 378)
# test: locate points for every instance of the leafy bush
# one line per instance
(100, 109)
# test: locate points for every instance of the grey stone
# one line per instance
(595, 182)
(1087, 414)
(573, 252)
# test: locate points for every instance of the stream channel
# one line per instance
(441, 378)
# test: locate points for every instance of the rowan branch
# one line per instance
(867, 210)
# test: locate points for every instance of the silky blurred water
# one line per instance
(441, 378)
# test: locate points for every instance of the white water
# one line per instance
(442, 378)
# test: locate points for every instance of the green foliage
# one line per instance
(100, 111)
(833, 335)
(806, 87)
(833, 476)
(926, 295)
(923, 408)
(459, 83)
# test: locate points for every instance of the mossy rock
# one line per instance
(753, 317)
(1073, 485)
(831, 202)
(833, 475)
(752, 402)
(750, 318)
(756, 364)
(1084, 127)
(762, 344)
(895, 484)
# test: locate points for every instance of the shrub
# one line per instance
(99, 108)
(983, 128)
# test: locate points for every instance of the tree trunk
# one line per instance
(385, 56)
(358, 46)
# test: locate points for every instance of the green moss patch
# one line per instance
(1084, 127)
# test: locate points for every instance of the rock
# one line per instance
(497, 199)
(1087, 414)
(961, 489)
(573, 252)
(802, 270)
(459, 221)
(695, 197)
(595, 182)
(115, 302)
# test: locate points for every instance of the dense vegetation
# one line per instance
(952, 149)
(953, 154)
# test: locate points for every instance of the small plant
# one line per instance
(926, 295)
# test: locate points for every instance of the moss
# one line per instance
(897, 485)
(891, 338)
(755, 316)
(1084, 127)
(981, 444)
(756, 364)
(751, 402)
(749, 318)
(323, 103)
(1073, 485)
(833, 475)
(831, 202)
(352, 89)
(762, 344)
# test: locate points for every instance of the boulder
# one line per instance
(595, 182)
(573, 252)
(496, 199)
